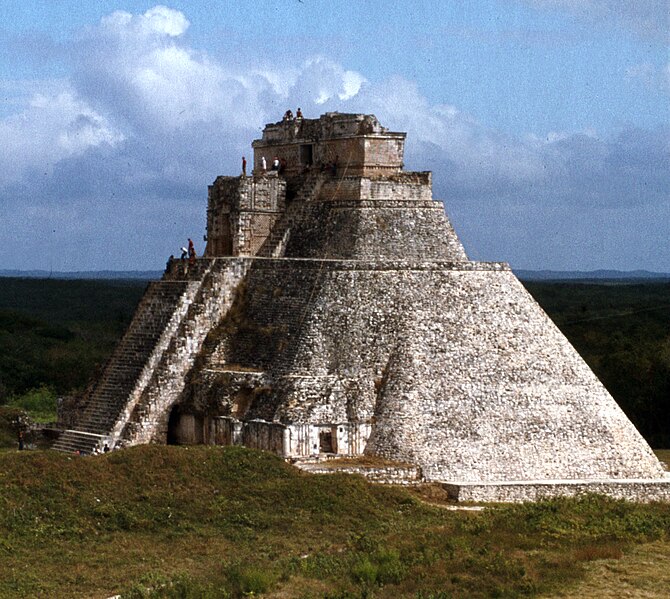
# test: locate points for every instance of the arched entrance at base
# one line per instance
(184, 428)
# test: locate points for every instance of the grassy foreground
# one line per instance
(232, 522)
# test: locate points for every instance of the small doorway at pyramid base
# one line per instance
(326, 442)
(185, 429)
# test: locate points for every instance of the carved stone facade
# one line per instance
(241, 212)
(335, 313)
(356, 144)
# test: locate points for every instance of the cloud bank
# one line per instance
(108, 167)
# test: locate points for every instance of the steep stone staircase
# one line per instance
(123, 370)
(276, 242)
(145, 416)
(162, 308)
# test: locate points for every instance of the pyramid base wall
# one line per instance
(638, 490)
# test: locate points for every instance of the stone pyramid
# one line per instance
(335, 313)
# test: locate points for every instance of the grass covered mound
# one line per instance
(226, 522)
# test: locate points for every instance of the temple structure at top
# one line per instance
(355, 143)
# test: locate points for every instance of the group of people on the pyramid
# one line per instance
(190, 252)
(288, 115)
(278, 165)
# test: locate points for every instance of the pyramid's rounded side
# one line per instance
(486, 388)
(459, 370)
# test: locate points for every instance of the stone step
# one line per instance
(128, 361)
(72, 441)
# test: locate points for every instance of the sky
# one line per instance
(546, 123)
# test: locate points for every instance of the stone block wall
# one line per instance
(357, 143)
(454, 366)
(241, 213)
(405, 186)
(364, 230)
(287, 440)
(644, 491)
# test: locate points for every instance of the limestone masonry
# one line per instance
(335, 313)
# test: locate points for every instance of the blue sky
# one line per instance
(546, 122)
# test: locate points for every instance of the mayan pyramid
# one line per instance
(335, 313)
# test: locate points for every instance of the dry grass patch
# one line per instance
(640, 573)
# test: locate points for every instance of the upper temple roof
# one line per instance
(356, 140)
(330, 125)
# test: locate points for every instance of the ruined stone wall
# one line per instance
(386, 475)
(408, 186)
(357, 143)
(286, 440)
(357, 218)
(362, 230)
(382, 154)
(644, 491)
(354, 156)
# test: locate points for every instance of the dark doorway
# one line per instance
(306, 156)
(185, 428)
(326, 442)
(173, 427)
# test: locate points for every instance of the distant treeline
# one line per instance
(56, 334)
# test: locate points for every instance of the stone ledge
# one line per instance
(381, 204)
(387, 475)
(638, 490)
(370, 264)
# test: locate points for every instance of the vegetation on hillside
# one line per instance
(230, 522)
(55, 335)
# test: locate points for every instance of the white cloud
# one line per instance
(165, 20)
(158, 20)
(320, 80)
(49, 129)
(140, 69)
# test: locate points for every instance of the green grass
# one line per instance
(226, 522)
(40, 404)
